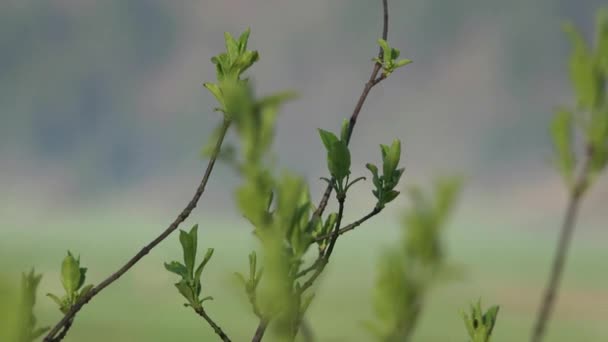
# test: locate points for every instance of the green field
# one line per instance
(500, 266)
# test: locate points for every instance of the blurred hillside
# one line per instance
(104, 99)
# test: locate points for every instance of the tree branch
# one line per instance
(259, 332)
(64, 331)
(201, 312)
(559, 260)
(69, 316)
(325, 257)
(374, 79)
(353, 225)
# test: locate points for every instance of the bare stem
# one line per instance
(213, 325)
(53, 336)
(324, 259)
(548, 301)
(259, 332)
(352, 225)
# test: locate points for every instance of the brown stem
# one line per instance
(352, 225)
(259, 332)
(64, 331)
(559, 260)
(213, 325)
(373, 80)
(325, 258)
(146, 249)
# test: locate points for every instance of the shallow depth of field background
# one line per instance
(103, 117)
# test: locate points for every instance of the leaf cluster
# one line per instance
(589, 76)
(389, 58)
(480, 324)
(386, 183)
(27, 327)
(230, 65)
(406, 273)
(189, 285)
(72, 278)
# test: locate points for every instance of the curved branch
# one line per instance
(374, 79)
(53, 336)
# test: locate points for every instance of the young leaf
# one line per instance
(201, 267)
(328, 138)
(188, 249)
(386, 50)
(177, 268)
(344, 130)
(55, 299)
(186, 291)
(585, 77)
(402, 62)
(70, 274)
(391, 159)
(85, 290)
(338, 159)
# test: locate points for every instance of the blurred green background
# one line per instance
(103, 116)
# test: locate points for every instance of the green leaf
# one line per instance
(186, 291)
(344, 130)
(587, 81)
(402, 62)
(391, 195)
(395, 54)
(55, 299)
(216, 91)
(70, 274)
(205, 299)
(177, 268)
(189, 242)
(243, 40)
(231, 46)
(85, 290)
(201, 267)
(338, 159)
(561, 132)
(375, 179)
(602, 39)
(386, 50)
(328, 138)
(391, 158)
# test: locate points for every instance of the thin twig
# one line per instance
(325, 258)
(559, 260)
(213, 325)
(64, 331)
(146, 249)
(352, 225)
(259, 332)
(374, 79)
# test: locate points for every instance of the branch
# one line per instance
(64, 331)
(69, 316)
(559, 260)
(215, 327)
(325, 257)
(259, 332)
(373, 81)
(351, 226)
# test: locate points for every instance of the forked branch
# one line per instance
(55, 333)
